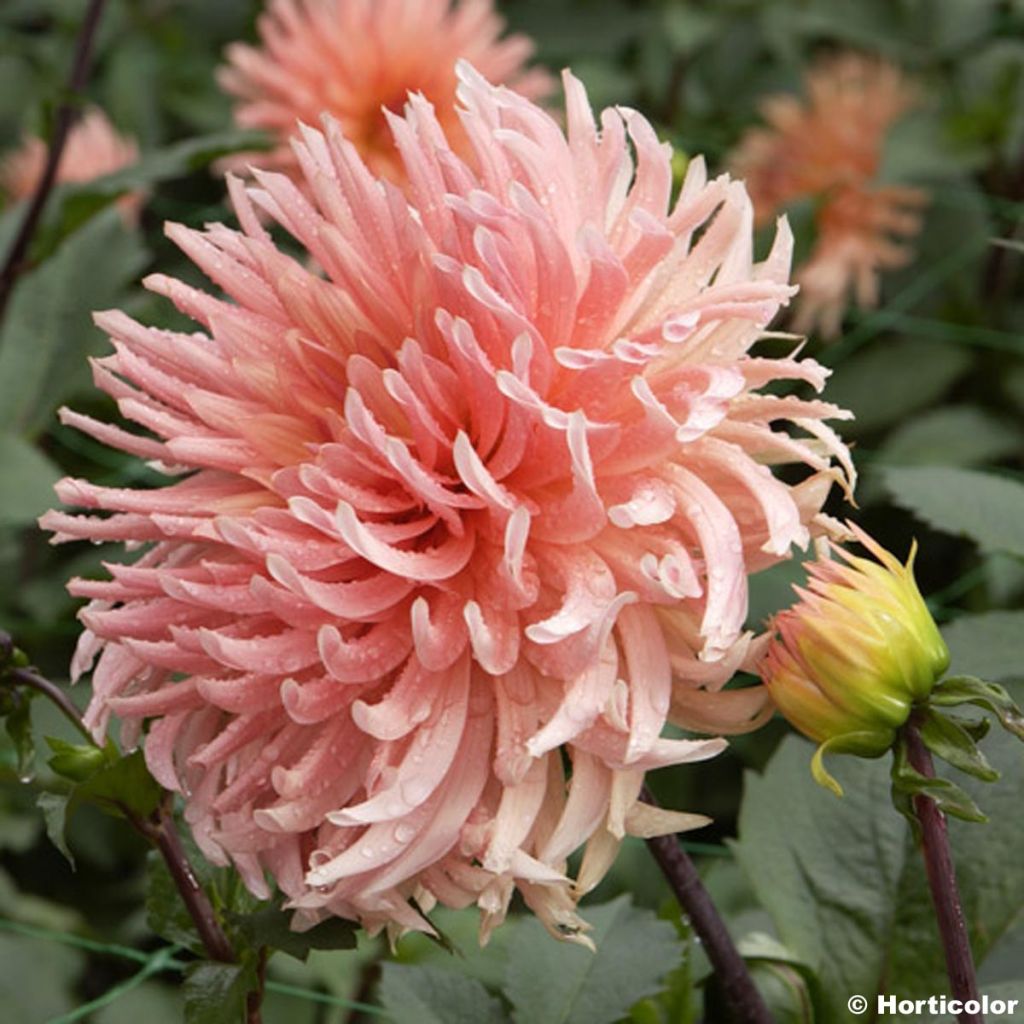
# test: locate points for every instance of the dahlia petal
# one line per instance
(438, 630)
(585, 808)
(416, 777)
(407, 704)
(513, 822)
(643, 645)
(314, 700)
(722, 545)
(517, 717)
(440, 563)
(647, 822)
(598, 856)
(589, 591)
(462, 790)
(493, 636)
(383, 647)
(584, 698)
(727, 711)
(284, 653)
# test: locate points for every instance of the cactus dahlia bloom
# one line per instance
(93, 149)
(461, 523)
(829, 148)
(358, 59)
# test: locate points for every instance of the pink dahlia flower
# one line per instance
(358, 59)
(93, 149)
(462, 523)
(829, 148)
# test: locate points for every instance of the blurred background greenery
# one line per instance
(935, 376)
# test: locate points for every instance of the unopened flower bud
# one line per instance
(854, 654)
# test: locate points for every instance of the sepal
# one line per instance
(958, 690)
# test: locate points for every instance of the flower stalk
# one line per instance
(53, 693)
(14, 260)
(741, 994)
(938, 859)
(158, 829)
(163, 834)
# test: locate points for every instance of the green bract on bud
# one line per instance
(854, 654)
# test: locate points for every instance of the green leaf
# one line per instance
(845, 884)
(47, 331)
(873, 383)
(271, 927)
(76, 203)
(215, 993)
(152, 1002)
(165, 912)
(954, 744)
(959, 435)
(486, 964)
(55, 807)
(968, 690)
(986, 508)
(551, 982)
(1005, 991)
(433, 995)
(16, 708)
(989, 645)
(37, 982)
(125, 783)
(679, 1002)
(908, 782)
(26, 481)
(830, 875)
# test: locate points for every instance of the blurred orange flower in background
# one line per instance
(94, 148)
(828, 147)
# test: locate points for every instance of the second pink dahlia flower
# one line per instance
(93, 149)
(460, 524)
(357, 59)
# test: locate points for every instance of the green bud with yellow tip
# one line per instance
(853, 656)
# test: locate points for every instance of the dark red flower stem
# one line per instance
(938, 860)
(14, 262)
(745, 1002)
(53, 693)
(161, 831)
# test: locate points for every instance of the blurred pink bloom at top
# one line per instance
(356, 59)
(829, 148)
(93, 149)
(465, 520)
